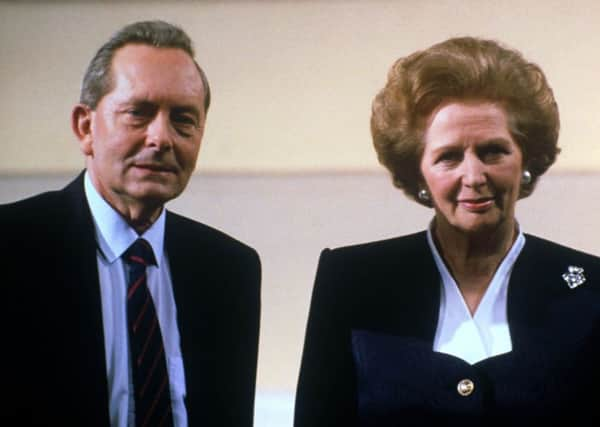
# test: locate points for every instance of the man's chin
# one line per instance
(154, 195)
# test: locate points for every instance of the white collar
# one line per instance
(486, 333)
(113, 234)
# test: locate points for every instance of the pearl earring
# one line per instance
(526, 178)
(423, 196)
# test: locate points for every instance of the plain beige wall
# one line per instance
(292, 84)
(292, 80)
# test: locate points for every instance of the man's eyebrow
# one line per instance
(136, 102)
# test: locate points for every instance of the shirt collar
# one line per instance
(486, 333)
(505, 265)
(113, 234)
(500, 276)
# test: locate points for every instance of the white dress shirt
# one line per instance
(114, 236)
(484, 334)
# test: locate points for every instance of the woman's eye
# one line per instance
(493, 153)
(448, 157)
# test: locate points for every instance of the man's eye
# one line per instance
(136, 115)
(185, 124)
(139, 111)
(185, 120)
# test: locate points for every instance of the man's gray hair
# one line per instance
(97, 80)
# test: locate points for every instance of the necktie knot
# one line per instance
(140, 252)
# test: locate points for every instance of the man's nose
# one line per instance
(159, 133)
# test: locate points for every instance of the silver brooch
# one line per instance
(574, 277)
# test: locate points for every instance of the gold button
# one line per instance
(465, 387)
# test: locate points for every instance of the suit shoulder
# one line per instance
(402, 247)
(380, 259)
(46, 199)
(187, 229)
(558, 260)
(39, 209)
(551, 251)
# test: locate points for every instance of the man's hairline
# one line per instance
(111, 86)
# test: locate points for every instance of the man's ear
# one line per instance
(81, 123)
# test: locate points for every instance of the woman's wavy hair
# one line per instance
(463, 68)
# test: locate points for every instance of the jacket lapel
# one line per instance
(81, 269)
(195, 318)
(398, 293)
(539, 299)
(419, 292)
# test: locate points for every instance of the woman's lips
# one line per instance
(477, 205)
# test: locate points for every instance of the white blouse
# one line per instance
(486, 333)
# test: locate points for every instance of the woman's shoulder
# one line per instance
(408, 254)
(397, 247)
(365, 277)
(562, 263)
(552, 250)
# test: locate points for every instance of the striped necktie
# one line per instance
(148, 362)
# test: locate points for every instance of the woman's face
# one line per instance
(472, 166)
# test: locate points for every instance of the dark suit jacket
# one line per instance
(368, 357)
(52, 330)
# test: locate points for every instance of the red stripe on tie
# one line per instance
(135, 286)
(164, 417)
(156, 399)
(136, 324)
(151, 372)
(150, 333)
(138, 259)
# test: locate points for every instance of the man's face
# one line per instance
(145, 134)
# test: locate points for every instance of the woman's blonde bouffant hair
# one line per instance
(463, 68)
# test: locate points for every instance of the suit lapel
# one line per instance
(421, 289)
(428, 274)
(195, 318)
(185, 257)
(82, 270)
(399, 289)
(535, 294)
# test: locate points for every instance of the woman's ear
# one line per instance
(81, 123)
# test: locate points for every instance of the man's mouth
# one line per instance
(154, 167)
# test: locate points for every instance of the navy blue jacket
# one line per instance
(51, 317)
(368, 358)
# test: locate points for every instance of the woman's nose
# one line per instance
(473, 172)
